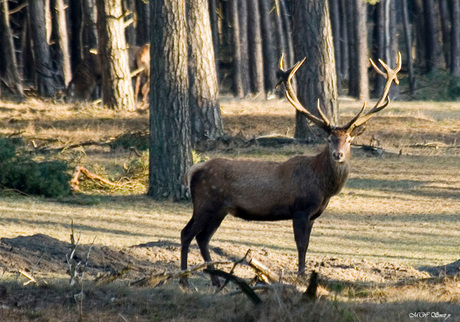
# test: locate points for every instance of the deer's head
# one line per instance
(340, 137)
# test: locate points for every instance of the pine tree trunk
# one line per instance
(455, 42)
(215, 32)
(432, 45)
(256, 63)
(46, 83)
(89, 27)
(362, 52)
(170, 147)
(236, 50)
(268, 48)
(130, 31)
(344, 23)
(60, 39)
(316, 79)
(335, 24)
(75, 24)
(117, 90)
(243, 19)
(446, 32)
(11, 73)
(204, 105)
(409, 44)
(143, 22)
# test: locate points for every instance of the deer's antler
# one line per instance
(392, 76)
(285, 77)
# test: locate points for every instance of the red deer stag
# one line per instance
(298, 189)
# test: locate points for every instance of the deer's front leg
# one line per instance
(302, 229)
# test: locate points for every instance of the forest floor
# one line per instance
(386, 249)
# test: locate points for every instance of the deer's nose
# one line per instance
(338, 156)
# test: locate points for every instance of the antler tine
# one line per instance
(285, 76)
(391, 76)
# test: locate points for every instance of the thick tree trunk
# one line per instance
(117, 90)
(455, 43)
(243, 19)
(170, 147)
(46, 83)
(256, 63)
(60, 39)
(236, 50)
(268, 48)
(10, 72)
(88, 28)
(316, 79)
(204, 105)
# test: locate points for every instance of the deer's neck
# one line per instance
(335, 174)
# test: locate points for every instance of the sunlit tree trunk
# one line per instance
(204, 105)
(117, 90)
(170, 135)
(316, 79)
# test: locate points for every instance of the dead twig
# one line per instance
(233, 269)
(264, 273)
(109, 278)
(30, 276)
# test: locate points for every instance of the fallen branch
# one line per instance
(245, 288)
(110, 277)
(74, 182)
(163, 278)
(264, 273)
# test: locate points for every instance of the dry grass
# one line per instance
(398, 210)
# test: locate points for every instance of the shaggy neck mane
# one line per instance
(335, 174)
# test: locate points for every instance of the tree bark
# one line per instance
(236, 50)
(130, 31)
(10, 65)
(170, 147)
(316, 79)
(75, 24)
(117, 90)
(432, 45)
(60, 39)
(204, 105)
(268, 48)
(243, 19)
(88, 28)
(344, 47)
(256, 64)
(215, 31)
(46, 83)
(335, 25)
(446, 31)
(455, 42)
(362, 52)
(143, 22)
(409, 44)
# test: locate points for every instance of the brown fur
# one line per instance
(298, 189)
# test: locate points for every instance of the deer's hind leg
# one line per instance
(205, 236)
(203, 225)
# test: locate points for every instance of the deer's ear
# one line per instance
(357, 131)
